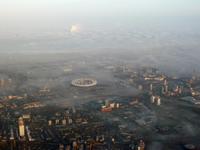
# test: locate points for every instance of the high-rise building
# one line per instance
(165, 82)
(158, 101)
(153, 99)
(64, 121)
(50, 122)
(151, 87)
(166, 88)
(163, 90)
(21, 127)
(57, 121)
(141, 145)
(107, 103)
(70, 121)
(180, 90)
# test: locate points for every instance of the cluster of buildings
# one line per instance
(109, 106)
(33, 105)
(4, 83)
(155, 100)
(175, 91)
(64, 128)
(87, 127)
(67, 133)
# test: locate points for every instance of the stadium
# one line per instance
(84, 82)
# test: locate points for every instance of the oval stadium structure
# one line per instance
(84, 82)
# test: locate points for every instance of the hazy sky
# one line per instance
(23, 13)
(164, 29)
(45, 24)
(27, 8)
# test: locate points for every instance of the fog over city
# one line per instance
(162, 33)
(99, 74)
